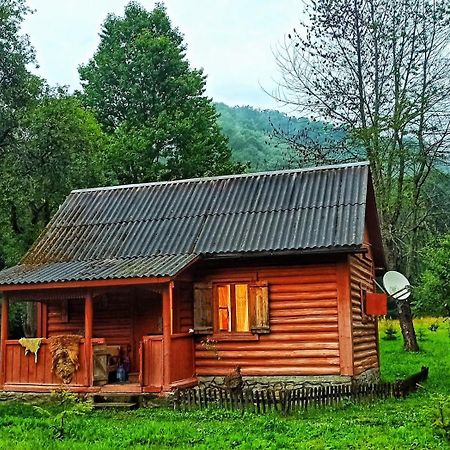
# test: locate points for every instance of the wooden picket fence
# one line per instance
(289, 400)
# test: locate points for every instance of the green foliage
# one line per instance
(390, 333)
(433, 292)
(421, 334)
(18, 86)
(434, 326)
(391, 424)
(63, 405)
(58, 147)
(441, 415)
(252, 135)
(143, 91)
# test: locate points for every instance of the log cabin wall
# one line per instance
(365, 328)
(183, 308)
(65, 317)
(112, 318)
(303, 311)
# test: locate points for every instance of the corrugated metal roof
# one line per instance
(154, 266)
(319, 208)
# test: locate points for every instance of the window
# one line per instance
(232, 308)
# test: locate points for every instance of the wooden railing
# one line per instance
(22, 369)
(182, 357)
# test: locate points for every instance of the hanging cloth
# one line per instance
(31, 345)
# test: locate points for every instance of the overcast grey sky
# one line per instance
(232, 40)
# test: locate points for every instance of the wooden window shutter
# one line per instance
(259, 301)
(203, 308)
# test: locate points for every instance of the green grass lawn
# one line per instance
(390, 424)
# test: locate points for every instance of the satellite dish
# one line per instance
(396, 285)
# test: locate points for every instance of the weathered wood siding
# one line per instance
(183, 307)
(57, 325)
(303, 338)
(365, 337)
(112, 319)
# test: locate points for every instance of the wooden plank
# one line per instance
(275, 354)
(286, 362)
(345, 319)
(88, 328)
(3, 338)
(167, 334)
(272, 370)
(269, 345)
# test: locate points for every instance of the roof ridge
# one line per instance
(226, 177)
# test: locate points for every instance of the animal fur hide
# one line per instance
(64, 350)
(31, 345)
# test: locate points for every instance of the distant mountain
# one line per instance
(250, 134)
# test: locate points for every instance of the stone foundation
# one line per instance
(34, 398)
(369, 376)
(294, 382)
(279, 382)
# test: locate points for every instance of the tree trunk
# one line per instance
(407, 326)
(403, 306)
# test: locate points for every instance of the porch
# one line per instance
(148, 322)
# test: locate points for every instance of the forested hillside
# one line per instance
(252, 139)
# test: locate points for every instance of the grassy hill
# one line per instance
(250, 134)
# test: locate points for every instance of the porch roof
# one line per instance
(149, 266)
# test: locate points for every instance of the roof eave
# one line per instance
(357, 248)
(85, 283)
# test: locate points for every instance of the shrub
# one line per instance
(390, 333)
(441, 415)
(63, 405)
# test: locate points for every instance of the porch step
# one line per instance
(115, 405)
(116, 401)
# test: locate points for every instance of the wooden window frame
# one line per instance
(233, 334)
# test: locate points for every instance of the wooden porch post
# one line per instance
(167, 335)
(88, 319)
(3, 338)
(345, 325)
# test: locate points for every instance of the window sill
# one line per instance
(235, 337)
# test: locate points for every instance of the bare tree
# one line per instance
(379, 69)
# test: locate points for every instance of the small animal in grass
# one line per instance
(233, 382)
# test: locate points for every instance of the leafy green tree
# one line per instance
(433, 292)
(142, 89)
(17, 85)
(58, 147)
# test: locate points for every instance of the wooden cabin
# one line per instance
(183, 281)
